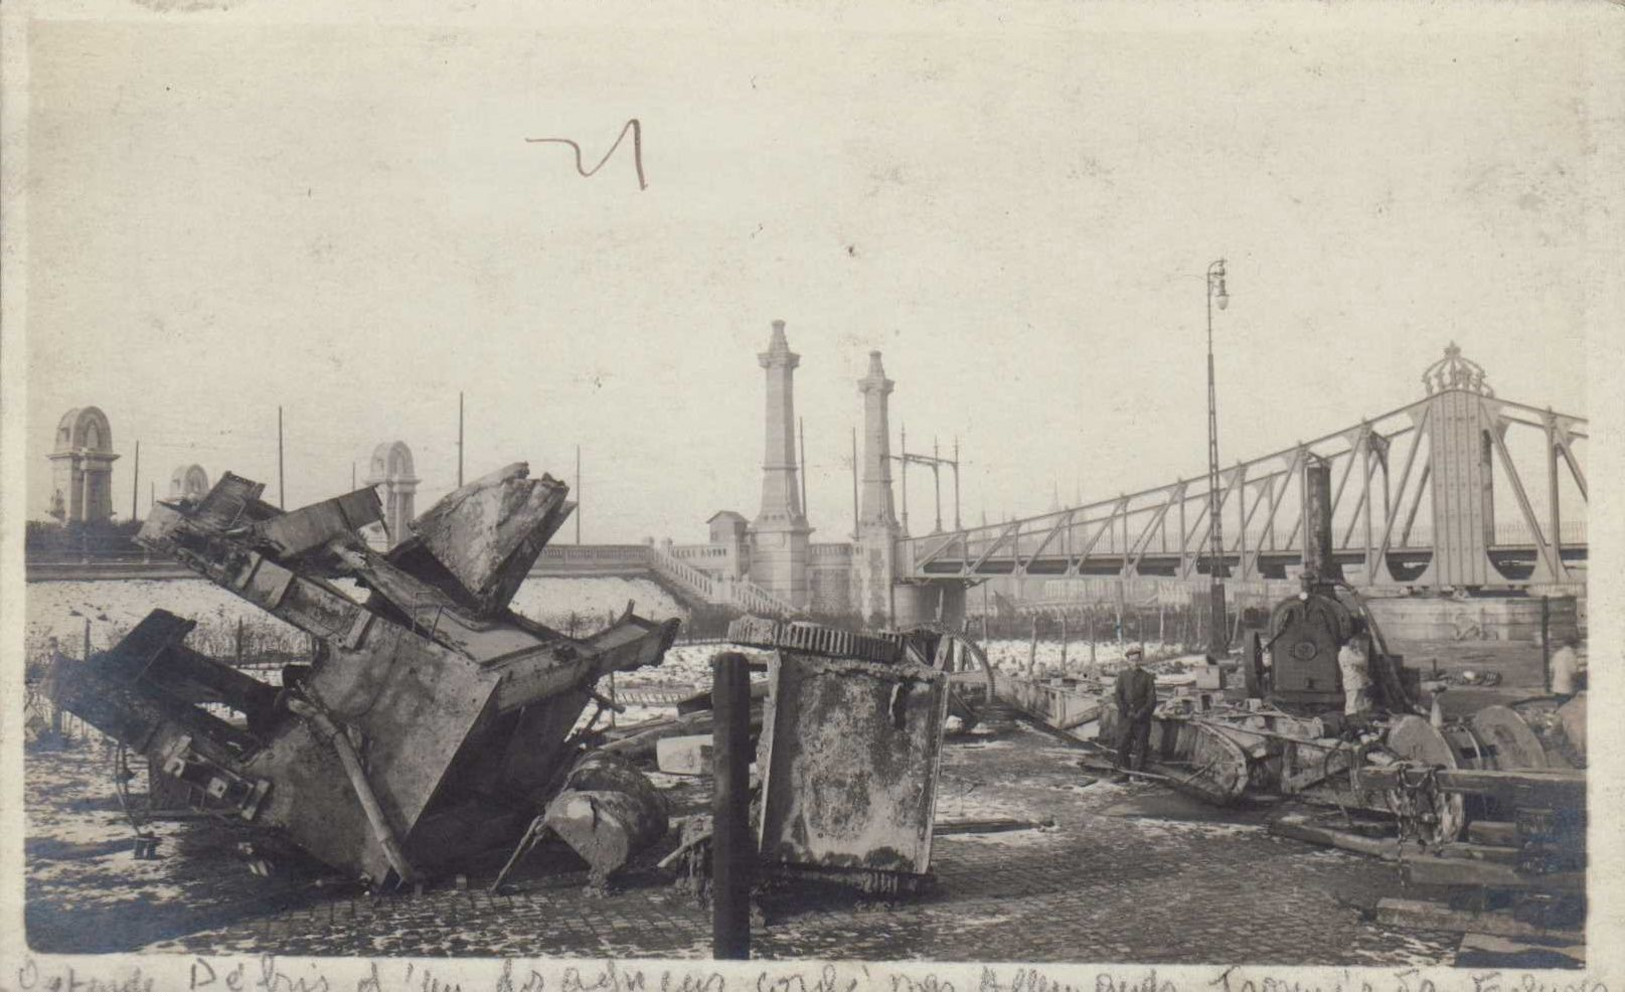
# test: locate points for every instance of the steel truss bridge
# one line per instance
(1420, 499)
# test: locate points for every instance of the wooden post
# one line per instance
(57, 659)
(1545, 641)
(1032, 648)
(733, 854)
(1063, 641)
(239, 641)
(1162, 623)
(1091, 636)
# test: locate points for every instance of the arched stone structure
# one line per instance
(82, 467)
(189, 481)
(391, 471)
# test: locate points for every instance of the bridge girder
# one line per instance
(1448, 444)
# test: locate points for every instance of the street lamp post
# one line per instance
(1218, 641)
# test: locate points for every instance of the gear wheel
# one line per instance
(809, 638)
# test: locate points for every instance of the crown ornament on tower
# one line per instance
(1455, 373)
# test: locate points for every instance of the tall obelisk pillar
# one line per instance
(778, 560)
(877, 521)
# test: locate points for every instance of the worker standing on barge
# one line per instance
(1135, 695)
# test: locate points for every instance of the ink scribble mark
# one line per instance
(632, 126)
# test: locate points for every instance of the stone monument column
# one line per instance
(875, 555)
(778, 560)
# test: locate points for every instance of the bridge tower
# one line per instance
(778, 559)
(82, 467)
(1461, 449)
(878, 529)
(391, 471)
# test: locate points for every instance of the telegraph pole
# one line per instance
(459, 439)
(1218, 640)
(936, 480)
(801, 431)
(281, 486)
(902, 456)
(854, 483)
(578, 494)
(936, 462)
(135, 485)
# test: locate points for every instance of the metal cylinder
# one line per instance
(1317, 521)
(733, 857)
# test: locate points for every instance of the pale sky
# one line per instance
(1016, 204)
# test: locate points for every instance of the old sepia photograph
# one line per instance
(829, 496)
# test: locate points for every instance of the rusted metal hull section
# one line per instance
(431, 719)
(607, 813)
(849, 754)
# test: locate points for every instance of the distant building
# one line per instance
(392, 473)
(730, 532)
(189, 481)
(82, 468)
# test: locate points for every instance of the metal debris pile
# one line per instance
(432, 722)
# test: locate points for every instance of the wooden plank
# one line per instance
(1488, 951)
(1386, 848)
(1481, 852)
(1558, 788)
(1424, 870)
(1417, 914)
(1493, 833)
(947, 828)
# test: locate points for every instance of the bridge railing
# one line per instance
(701, 551)
(754, 598)
(597, 555)
(1378, 506)
(695, 582)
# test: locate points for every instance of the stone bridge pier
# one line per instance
(929, 603)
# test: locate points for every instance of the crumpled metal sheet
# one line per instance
(850, 757)
(457, 710)
(489, 532)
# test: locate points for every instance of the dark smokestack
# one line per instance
(1317, 521)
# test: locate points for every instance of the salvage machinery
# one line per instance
(1285, 732)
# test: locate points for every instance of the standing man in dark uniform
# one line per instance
(1136, 696)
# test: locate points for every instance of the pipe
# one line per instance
(358, 781)
(733, 854)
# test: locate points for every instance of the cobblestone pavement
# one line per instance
(1125, 875)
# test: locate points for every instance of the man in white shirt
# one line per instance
(1355, 662)
(1565, 668)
